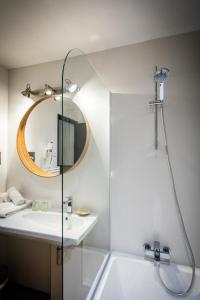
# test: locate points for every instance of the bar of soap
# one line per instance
(83, 211)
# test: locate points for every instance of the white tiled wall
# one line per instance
(142, 203)
(142, 206)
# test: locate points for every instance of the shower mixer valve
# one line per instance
(154, 252)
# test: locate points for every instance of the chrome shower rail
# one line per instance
(156, 112)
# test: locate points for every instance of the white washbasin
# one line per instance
(53, 221)
(48, 226)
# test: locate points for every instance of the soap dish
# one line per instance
(83, 211)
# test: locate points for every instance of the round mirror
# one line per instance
(42, 131)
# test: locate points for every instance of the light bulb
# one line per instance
(57, 98)
(48, 90)
(71, 87)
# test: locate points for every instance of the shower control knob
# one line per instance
(147, 246)
(166, 249)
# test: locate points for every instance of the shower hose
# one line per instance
(180, 217)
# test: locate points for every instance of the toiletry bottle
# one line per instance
(34, 205)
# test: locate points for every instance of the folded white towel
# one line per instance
(15, 196)
(9, 208)
(4, 197)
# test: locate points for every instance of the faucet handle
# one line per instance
(68, 202)
(147, 246)
(166, 250)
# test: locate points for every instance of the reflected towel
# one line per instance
(9, 208)
(15, 196)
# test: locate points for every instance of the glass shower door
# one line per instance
(84, 157)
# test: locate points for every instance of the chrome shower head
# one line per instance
(161, 75)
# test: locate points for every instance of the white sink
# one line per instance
(48, 226)
(53, 221)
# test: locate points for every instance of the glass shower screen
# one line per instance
(84, 132)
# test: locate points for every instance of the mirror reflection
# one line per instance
(43, 135)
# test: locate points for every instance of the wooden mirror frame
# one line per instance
(22, 149)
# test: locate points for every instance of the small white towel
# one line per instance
(4, 197)
(9, 208)
(15, 196)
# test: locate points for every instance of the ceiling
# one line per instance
(37, 31)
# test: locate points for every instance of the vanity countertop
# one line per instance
(48, 226)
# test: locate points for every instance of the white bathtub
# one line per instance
(129, 277)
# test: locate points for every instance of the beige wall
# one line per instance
(3, 126)
(3, 143)
(128, 69)
(88, 184)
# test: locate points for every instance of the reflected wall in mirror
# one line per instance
(39, 139)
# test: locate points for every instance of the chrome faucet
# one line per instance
(155, 253)
(68, 203)
(156, 249)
